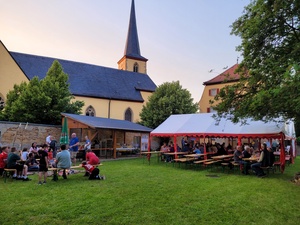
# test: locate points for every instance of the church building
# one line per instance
(106, 92)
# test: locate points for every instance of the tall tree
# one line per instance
(270, 71)
(42, 101)
(168, 99)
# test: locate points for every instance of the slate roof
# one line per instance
(132, 48)
(105, 123)
(227, 76)
(90, 80)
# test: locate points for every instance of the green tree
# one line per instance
(42, 101)
(270, 72)
(168, 99)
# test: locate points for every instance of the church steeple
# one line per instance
(132, 59)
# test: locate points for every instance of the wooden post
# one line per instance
(115, 144)
(175, 146)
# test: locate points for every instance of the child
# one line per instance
(93, 171)
(50, 158)
(32, 163)
(43, 167)
(24, 155)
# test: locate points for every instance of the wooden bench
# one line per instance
(202, 161)
(55, 170)
(72, 167)
(277, 165)
(224, 165)
(9, 173)
(198, 162)
(183, 160)
(288, 159)
(211, 163)
(236, 165)
(268, 168)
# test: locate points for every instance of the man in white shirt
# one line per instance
(48, 139)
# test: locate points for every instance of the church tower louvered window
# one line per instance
(90, 111)
(136, 68)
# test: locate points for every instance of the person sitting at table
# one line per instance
(13, 162)
(197, 151)
(3, 158)
(63, 160)
(197, 145)
(229, 149)
(32, 163)
(199, 148)
(51, 160)
(247, 152)
(164, 148)
(178, 148)
(220, 150)
(238, 158)
(24, 154)
(185, 147)
(33, 149)
(263, 161)
(169, 158)
(171, 147)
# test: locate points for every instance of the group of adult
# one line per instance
(196, 147)
(43, 157)
(261, 159)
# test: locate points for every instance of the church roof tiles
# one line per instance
(90, 80)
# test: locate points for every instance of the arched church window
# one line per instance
(128, 115)
(90, 111)
(2, 103)
(136, 68)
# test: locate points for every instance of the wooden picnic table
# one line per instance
(195, 155)
(251, 159)
(149, 153)
(174, 153)
(222, 157)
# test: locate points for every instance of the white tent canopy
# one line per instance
(204, 124)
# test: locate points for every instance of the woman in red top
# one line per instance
(91, 157)
(3, 158)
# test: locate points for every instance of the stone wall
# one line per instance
(21, 135)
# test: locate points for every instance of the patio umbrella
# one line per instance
(64, 138)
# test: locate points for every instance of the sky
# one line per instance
(182, 39)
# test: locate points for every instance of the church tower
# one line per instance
(132, 59)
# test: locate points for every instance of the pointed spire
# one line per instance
(132, 48)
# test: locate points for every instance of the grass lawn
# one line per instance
(135, 192)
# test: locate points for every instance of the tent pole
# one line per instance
(205, 156)
(149, 142)
(282, 154)
(239, 141)
(175, 143)
(115, 144)
(175, 146)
